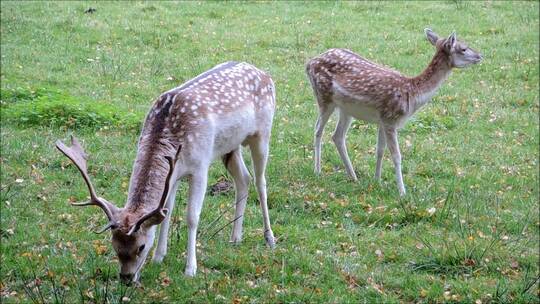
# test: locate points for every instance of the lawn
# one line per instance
(467, 231)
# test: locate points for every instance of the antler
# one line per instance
(160, 213)
(77, 155)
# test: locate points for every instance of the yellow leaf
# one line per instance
(100, 249)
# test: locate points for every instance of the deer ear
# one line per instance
(149, 220)
(431, 36)
(157, 218)
(450, 41)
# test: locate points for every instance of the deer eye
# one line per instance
(141, 248)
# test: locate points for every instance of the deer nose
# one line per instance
(479, 56)
(126, 278)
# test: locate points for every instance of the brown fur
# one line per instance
(367, 91)
(389, 91)
(177, 114)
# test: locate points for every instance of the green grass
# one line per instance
(472, 154)
(45, 107)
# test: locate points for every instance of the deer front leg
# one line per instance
(381, 145)
(339, 139)
(161, 248)
(393, 146)
(197, 188)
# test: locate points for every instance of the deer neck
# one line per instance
(425, 85)
(149, 171)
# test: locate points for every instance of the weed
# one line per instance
(45, 107)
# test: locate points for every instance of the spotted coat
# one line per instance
(389, 92)
(179, 116)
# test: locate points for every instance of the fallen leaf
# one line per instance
(89, 294)
(469, 262)
(377, 287)
(165, 282)
(447, 295)
(514, 265)
(99, 248)
(221, 187)
(352, 281)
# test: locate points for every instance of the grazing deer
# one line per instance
(208, 117)
(373, 93)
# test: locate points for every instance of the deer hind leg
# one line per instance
(325, 111)
(234, 163)
(393, 146)
(259, 153)
(339, 140)
(197, 189)
(161, 248)
(381, 145)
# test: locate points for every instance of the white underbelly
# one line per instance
(359, 110)
(232, 131)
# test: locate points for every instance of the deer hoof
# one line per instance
(270, 240)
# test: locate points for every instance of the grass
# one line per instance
(467, 231)
(46, 107)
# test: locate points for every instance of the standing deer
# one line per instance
(187, 128)
(373, 93)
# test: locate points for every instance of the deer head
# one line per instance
(132, 232)
(459, 53)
